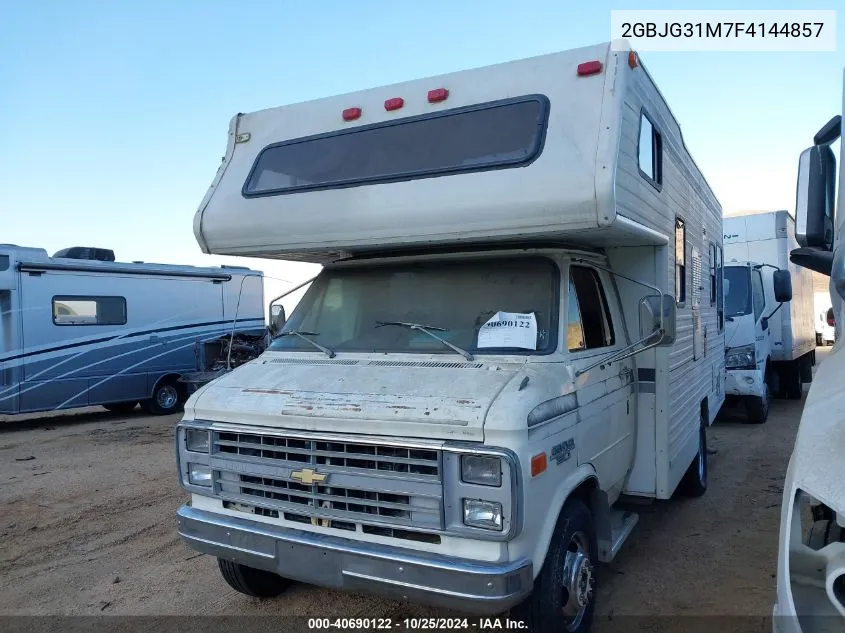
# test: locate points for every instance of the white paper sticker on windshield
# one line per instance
(509, 329)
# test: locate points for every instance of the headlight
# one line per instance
(483, 514)
(741, 358)
(196, 440)
(483, 470)
(199, 475)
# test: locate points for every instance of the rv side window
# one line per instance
(680, 261)
(4, 262)
(759, 295)
(81, 310)
(589, 325)
(650, 152)
(720, 293)
(712, 273)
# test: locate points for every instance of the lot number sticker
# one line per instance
(509, 329)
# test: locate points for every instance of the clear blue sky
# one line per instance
(116, 113)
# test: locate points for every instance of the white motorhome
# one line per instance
(823, 310)
(770, 339)
(81, 329)
(519, 321)
(811, 552)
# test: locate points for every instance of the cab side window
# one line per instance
(589, 324)
(759, 295)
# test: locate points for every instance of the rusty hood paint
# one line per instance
(357, 396)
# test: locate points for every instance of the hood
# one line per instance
(426, 398)
(819, 454)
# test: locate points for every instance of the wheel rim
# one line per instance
(167, 397)
(577, 581)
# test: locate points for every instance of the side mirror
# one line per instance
(277, 319)
(815, 196)
(650, 309)
(782, 281)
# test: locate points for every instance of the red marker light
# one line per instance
(394, 104)
(437, 95)
(350, 114)
(589, 68)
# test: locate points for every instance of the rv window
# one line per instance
(650, 152)
(720, 293)
(499, 134)
(345, 305)
(712, 273)
(680, 261)
(77, 310)
(759, 293)
(4, 262)
(589, 316)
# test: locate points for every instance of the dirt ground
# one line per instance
(87, 527)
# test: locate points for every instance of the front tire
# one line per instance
(757, 408)
(694, 483)
(563, 598)
(252, 582)
(168, 397)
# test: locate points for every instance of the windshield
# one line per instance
(737, 291)
(346, 308)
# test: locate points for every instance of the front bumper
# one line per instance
(744, 382)
(328, 561)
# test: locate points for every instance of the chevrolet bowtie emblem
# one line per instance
(308, 476)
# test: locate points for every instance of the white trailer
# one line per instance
(79, 329)
(811, 548)
(823, 310)
(769, 346)
(518, 325)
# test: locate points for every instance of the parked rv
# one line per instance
(80, 329)
(825, 323)
(770, 332)
(811, 552)
(516, 327)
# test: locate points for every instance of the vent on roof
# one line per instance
(86, 252)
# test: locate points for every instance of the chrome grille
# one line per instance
(364, 485)
(367, 457)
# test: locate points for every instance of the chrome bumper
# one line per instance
(328, 561)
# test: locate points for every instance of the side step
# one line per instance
(622, 523)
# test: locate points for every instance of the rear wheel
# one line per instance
(252, 582)
(168, 397)
(694, 483)
(790, 377)
(806, 362)
(563, 598)
(121, 407)
(819, 340)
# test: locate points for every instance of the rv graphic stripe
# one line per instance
(107, 339)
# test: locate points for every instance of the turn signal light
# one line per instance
(538, 464)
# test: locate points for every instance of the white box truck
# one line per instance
(518, 322)
(770, 345)
(811, 551)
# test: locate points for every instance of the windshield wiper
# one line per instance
(427, 330)
(304, 336)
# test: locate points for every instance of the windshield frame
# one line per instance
(749, 309)
(326, 274)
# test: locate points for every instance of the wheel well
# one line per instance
(172, 378)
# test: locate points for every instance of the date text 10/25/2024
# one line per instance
(416, 624)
